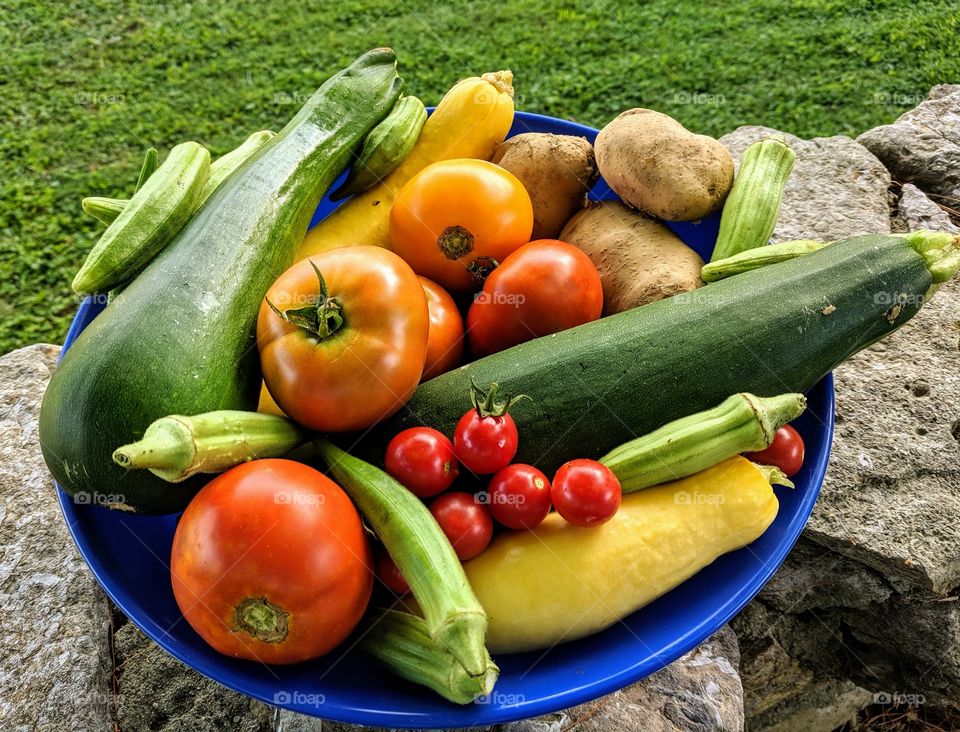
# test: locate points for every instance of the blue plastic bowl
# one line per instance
(129, 556)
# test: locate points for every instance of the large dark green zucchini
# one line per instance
(180, 339)
(773, 330)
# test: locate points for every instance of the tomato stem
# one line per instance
(322, 318)
(486, 402)
(455, 242)
(262, 619)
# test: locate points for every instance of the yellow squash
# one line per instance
(560, 582)
(471, 119)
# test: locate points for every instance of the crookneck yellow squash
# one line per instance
(560, 582)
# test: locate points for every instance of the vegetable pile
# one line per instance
(469, 403)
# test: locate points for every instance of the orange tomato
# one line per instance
(455, 216)
(445, 342)
(270, 562)
(344, 358)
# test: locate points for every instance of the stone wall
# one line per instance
(862, 612)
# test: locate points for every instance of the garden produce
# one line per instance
(148, 223)
(785, 452)
(387, 145)
(423, 460)
(469, 121)
(181, 339)
(780, 328)
(223, 167)
(445, 342)
(389, 574)
(519, 496)
(343, 338)
(454, 618)
(585, 492)
(557, 170)
(402, 643)
(543, 287)
(151, 161)
(655, 164)
(639, 259)
(688, 445)
(270, 563)
(104, 210)
(751, 210)
(757, 258)
(486, 437)
(457, 219)
(560, 582)
(178, 446)
(465, 521)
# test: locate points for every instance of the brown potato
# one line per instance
(656, 165)
(556, 170)
(639, 259)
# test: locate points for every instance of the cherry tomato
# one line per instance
(485, 443)
(445, 342)
(465, 521)
(543, 287)
(350, 345)
(585, 492)
(270, 562)
(455, 216)
(519, 496)
(389, 574)
(785, 452)
(423, 460)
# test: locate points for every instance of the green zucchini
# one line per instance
(148, 222)
(751, 210)
(180, 340)
(769, 331)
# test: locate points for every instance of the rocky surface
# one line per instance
(837, 188)
(923, 145)
(915, 210)
(54, 649)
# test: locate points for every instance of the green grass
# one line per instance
(86, 87)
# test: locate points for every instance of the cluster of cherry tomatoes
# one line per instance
(518, 496)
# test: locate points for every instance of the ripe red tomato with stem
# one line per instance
(270, 562)
(519, 496)
(486, 437)
(466, 522)
(785, 452)
(585, 492)
(543, 287)
(423, 460)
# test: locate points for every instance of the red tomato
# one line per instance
(485, 444)
(455, 216)
(423, 460)
(445, 343)
(785, 452)
(389, 574)
(270, 563)
(349, 346)
(465, 521)
(519, 496)
(585, 492)
(543, 287)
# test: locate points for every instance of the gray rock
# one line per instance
(54, 652)
(837, 188)
(915, 210)
(701, 691)
(923, 145)
(891, 498)
(941, 90)
(157, 693)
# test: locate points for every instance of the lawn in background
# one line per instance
(85, 87)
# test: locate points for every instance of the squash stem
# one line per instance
(940, 250)
(176, 447)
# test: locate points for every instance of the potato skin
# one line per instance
(556, 170)
(656, 165)
(639, 259)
